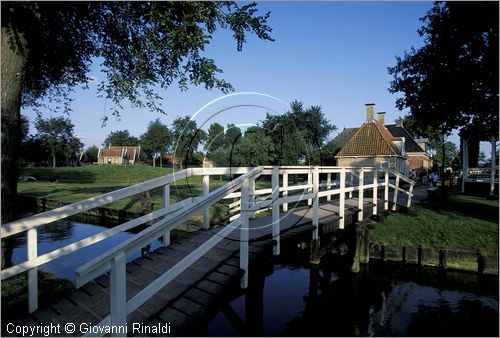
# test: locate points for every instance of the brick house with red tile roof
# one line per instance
(373, 145)
(118, 155)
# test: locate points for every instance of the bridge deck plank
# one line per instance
(195, 291)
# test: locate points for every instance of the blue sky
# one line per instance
(332, 54)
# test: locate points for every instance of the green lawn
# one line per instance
(78, 183)
(459, 222)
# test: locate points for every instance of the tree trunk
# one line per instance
(53, 160)
(161, 162)
(154, 161)
(12, 64)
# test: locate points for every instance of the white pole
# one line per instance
(285, 190)
(252, 196)
(342, 199)
(276, 209)
(166, 204)
(493, 166)
(465, 161)
(396, 192)
(351, 182)
(32, 246)
(309, 182)
(410, 194)
(361, 194)
(118, 293)
(315, 221)
(328, 186)
(386, 189)
(375, 191)
(206, 212)
(244, 232)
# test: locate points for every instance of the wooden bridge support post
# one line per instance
(309, 182)
(276, 209)
(285, 190)
(342, 199)
(166, 204)
(32, 247)
(244, 232)
(396, 193)
(118, 293)
(361, 194)
(206, 212)
(328, 186)
(375, 191)
(315, 211)
(386, 190)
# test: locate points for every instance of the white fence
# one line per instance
(340, 184)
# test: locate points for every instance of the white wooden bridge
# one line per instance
(112, 291)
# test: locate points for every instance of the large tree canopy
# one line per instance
(156, 140)
(452, 81)
(48, 48)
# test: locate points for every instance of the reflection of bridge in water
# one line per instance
(175, 286)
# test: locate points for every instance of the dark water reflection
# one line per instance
(382, 300)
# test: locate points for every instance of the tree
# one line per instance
(91, 153)
(186, 138)
(254, 149)
(232, 135)
(48, 49)
(450, 152)
(120, 138)
(452, 81)
(215, 138)
(56, 135)
(156, 140)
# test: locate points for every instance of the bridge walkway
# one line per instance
(188, 302)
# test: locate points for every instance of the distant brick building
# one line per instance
(375, 144)
(118, 155)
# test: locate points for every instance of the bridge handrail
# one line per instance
(102, 263)
(25, 224)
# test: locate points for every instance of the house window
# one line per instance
(384, 165)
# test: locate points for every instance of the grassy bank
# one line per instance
(459, 223)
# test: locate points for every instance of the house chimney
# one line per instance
(399, 122)
(369, 111)
(381, 117)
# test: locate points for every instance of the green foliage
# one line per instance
(186, 138)
(232, 135)
(215, 138)
(156, 140)
(142, 44)
(91, 153)
(254, 149)
(450, 152)
(120, 138)
(452, 81)
(56, 135)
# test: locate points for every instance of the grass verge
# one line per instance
(459, 222)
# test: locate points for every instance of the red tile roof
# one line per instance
(370, 140)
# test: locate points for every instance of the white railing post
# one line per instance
(342, 199)
(315, 221)
(206, 212)
(166, 204)
(410, 194)
(328, 186)
(32, 247)
(361, 194)
(244, 232)
(118, 292)
(252, 197)
(396, 192)
(386, 190)
(276, 209)
(351, 182)
(375, 190)
(285, 190)
(309, 182)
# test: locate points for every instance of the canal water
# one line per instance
(288, 297)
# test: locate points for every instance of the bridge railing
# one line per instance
(339, 184)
